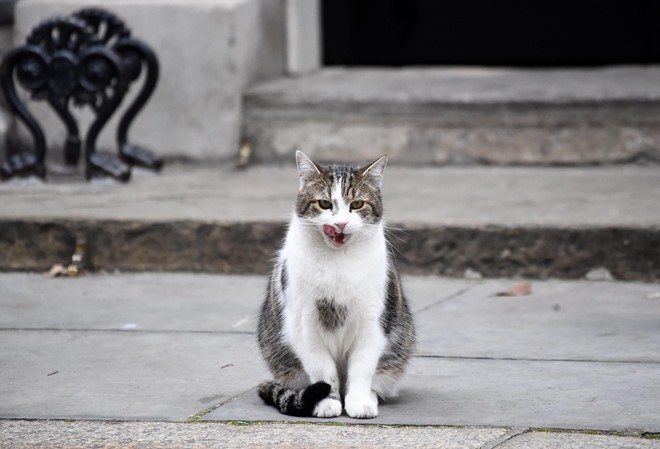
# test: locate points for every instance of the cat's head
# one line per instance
(340, 202)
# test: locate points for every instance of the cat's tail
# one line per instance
(293, 402)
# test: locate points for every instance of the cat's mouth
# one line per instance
(337, 238)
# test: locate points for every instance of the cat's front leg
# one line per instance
(320, 366)
(361, 400)
(327, 408)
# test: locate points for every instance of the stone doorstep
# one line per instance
(247, 247)
(459, 116)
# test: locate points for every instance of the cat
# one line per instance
(335, 323)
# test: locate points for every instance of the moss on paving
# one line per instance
(631, 434)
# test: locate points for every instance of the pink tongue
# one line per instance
(330, 231)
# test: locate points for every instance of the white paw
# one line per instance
(362, 409)
(327, 408)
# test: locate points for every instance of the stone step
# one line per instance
(455, 221)
(460, 115)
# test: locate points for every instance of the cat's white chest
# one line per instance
(355, 276)
(350, 282)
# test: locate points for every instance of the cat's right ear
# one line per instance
(306, 168)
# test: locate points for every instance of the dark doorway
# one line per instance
(518, 33)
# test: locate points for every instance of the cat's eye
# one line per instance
(357, 204)
(325, 204)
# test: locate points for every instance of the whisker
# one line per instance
(392, 247)
(391, 227)
(394, 236)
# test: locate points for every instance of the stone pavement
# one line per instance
(173, 357)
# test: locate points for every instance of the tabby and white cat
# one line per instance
(335, 323)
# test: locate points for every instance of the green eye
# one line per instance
(325, 204)
(357, 204)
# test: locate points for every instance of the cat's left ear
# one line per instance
(306, 168)
(375, 170)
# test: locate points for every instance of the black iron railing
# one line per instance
(86, 59)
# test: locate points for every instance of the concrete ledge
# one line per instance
(141, 246)
(629, 254)
(460, 116)
(209, 50)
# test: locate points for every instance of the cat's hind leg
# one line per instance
(386, 383)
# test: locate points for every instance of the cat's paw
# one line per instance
(327, 408)
(362, 409)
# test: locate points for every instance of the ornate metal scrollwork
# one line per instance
(86, 59)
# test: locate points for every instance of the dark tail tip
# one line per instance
(293, 402)
(315, 392)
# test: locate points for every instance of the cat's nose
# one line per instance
(341, 226)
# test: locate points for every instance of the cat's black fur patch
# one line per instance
(331, 315)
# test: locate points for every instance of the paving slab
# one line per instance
(85, 434)
(424, 292)
(179, 302)
(172, 302)
(567, 395)
(593, 321)
(498, 222)
(122, 375)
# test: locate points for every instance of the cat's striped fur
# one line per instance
(335, 323)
